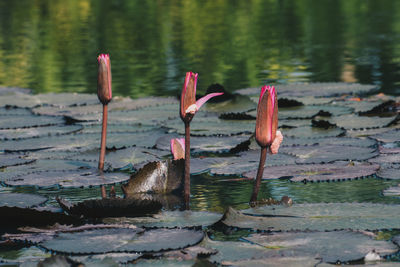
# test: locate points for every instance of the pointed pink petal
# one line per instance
(182, 142)
(276, 143)
(172, 142)
(204, 99)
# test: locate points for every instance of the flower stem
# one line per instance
(256, 187)
(186, 189)
(103, 138)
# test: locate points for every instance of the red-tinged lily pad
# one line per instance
(390, 136)
(111, 207)
(348, 245)
(354, 122)
(389, 172)
(389, 150)
(122, 240)
(319, 217)
(21, 200)
(77, 178)
(338, 171)
(20, 133)
(171, 219)
(315, 89)
(200, 144)
(7, 160)
(19, 121)
(329, 153)
(246, 161)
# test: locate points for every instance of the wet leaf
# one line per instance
(320, 217)
(122, 240)
(389, 172)
(77, 178)
(354, 122)
(338, 171)
(386, 159)
(171, 219)
(20, 133)
(19, 100)
(342, 141)
(7, 159)
(19, 121)
(313, 132)
(389, 136)
(21, 200)
(67, 99)
(329, 153)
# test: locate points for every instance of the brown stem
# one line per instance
(103, 138)
(186, 189)
(260, 171)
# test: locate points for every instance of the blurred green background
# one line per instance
(52, 45)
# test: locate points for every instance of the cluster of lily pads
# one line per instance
(332, 132)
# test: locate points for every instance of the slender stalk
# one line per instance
(103, 138)
(256, 187)
(186, 189)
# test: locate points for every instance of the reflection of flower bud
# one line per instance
(267, 116)
(178, 148)
(189, 105)
(104, 91)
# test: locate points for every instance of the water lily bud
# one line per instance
(104, 91)
(188, 96)
(178, 148)
(267, 116)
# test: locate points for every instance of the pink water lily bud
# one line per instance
(104, 91)
(267, 116)
(178, 148)
(189, 105)
(276, 143)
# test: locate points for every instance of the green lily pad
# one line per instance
(389, 150)
(315, 89)
(18, 121)
(358, 106)
(313, 132)
(107, 259)
(122, 240)
(67, 99)
(309, 112)
(21, 133)
(78, 178)
(276, 261)
(354, 122)
(348, 245)
(171, 219)
(14, 111)
(320, 217)
(386, 159)
(389, 136)
(338, 171)
(343, 141)
(19, 100)
(89, 128)
(329, 153)
(21, 200)
(389, 172)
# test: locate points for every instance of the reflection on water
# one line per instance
(52, 45)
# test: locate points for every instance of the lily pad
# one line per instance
(20, 133)
(18, 121)
(237, 165)
(389, 172)
(20, 100)
(386, 159)
(7, 160)
(338, 171)
(21, 200)
(5, 90)
(392, 191)
(14, 111)
(313, 132)
(343, 141)
(122, 240)
(315, 89)
(239, 103)
(171, 219)
(309, 112)
(67, 99)
(390, 136)
(354, 122)
(275, 261)
(348, 245)
(320, 217)
(329, 153)
(78, 178)
(107, 259)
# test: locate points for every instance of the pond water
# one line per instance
(51, 46)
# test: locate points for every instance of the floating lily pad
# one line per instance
(338, 171)
(7, 159)
(321, 217)
(200, 144)
(111, 207)
(386, 159)
(309, 112)
(390, 136)
(20, 133)
(122, 240)
(165, 262)
(20, 100)
(275, 261)
(239, 103)
(208, 126)
(14, 111)
(389, 172)
(392, 191)
(21, 200)
(115, 128)
(78, 178)
(389, 150)
(67, 99)
(237, 165)
(18, 121)
(343, 141)
(171, 219)
(348, 245)
(14, 90)
(329, 153)
(387, 108)
(357, 105)
(353, 122)
(315, 89)
(313, 132)
(107, 259)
